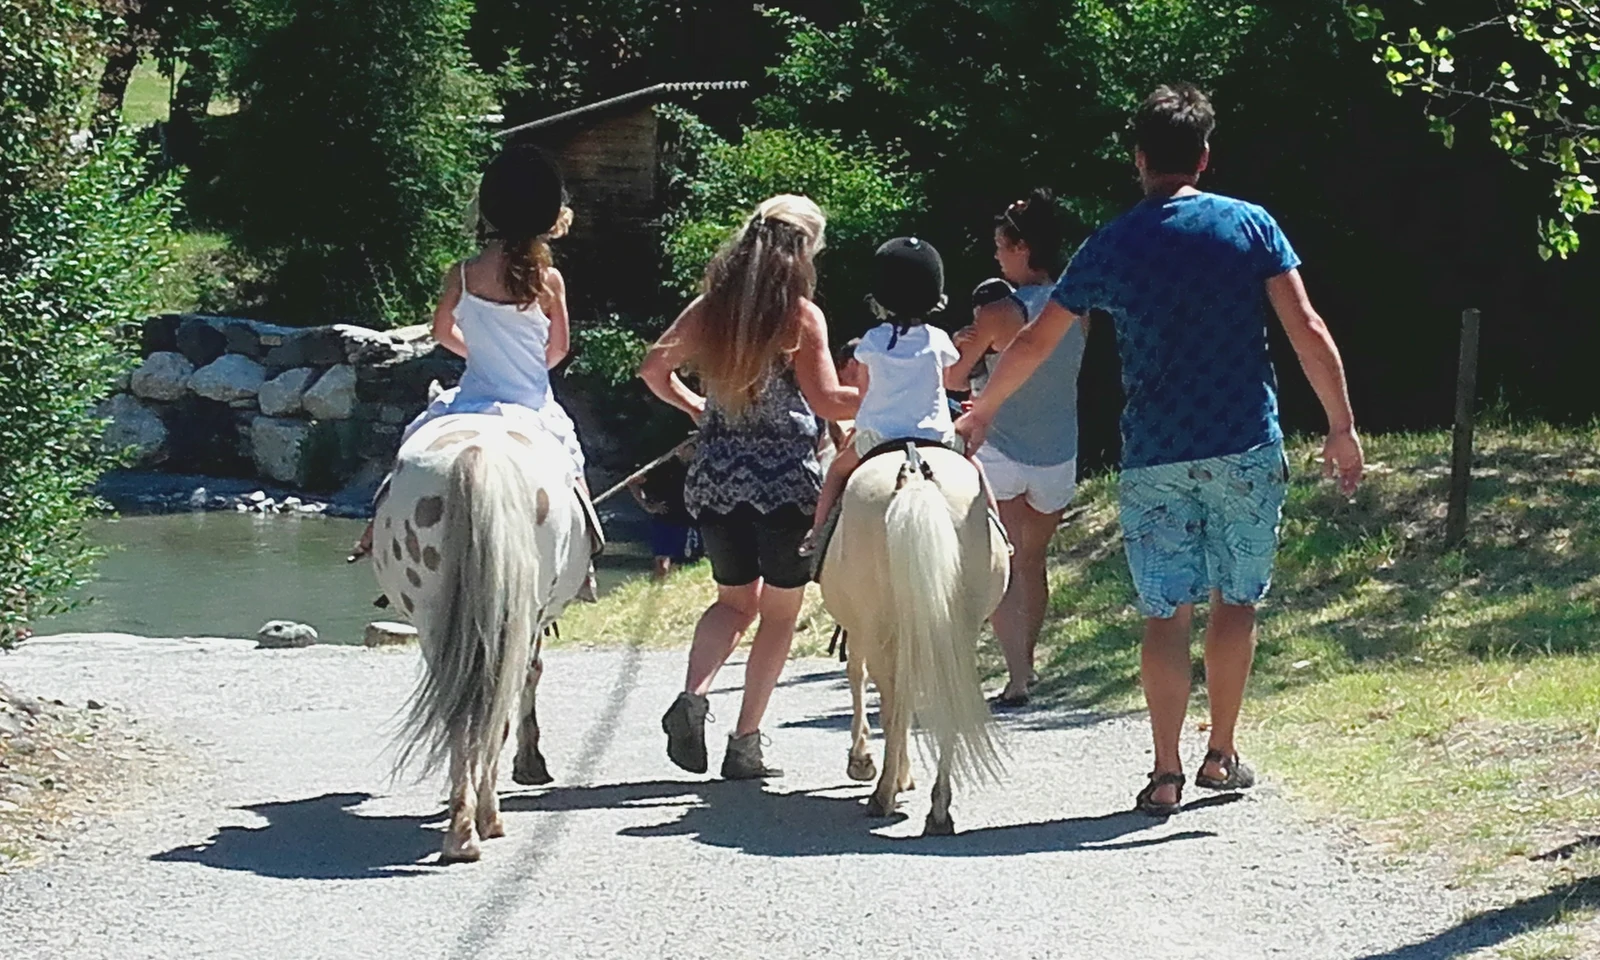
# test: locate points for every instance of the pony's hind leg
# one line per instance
(861, 765)
(885, 796)
(939, 822)
(460, 839)
(488, 819)
(529, 768)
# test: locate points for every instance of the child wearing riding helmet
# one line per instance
(505, 310)
(901, 364)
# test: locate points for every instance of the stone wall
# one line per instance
(315, 408)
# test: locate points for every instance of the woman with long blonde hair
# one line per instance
(759, 347)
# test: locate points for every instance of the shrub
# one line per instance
(867, 198)
(83, 238)
(355, 154)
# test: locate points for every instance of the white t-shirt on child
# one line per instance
(905, 385)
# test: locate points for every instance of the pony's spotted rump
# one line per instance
(487, 553)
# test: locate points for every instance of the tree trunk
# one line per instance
(122, 56)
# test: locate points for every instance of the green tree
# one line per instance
(83, 234)
(864, 191)
(1526, 70)
(354, 157)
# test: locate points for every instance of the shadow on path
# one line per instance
(1494, 927)
(823, 823)
(319, 838)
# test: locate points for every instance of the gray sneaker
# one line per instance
(685, 727)
(743, 759)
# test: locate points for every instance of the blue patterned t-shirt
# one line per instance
(1183, 278)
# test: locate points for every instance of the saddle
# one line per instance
(831, 522)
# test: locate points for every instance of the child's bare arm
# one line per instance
(444, 314)
(555, 307)
(994, 327)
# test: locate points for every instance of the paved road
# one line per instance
(284, 839)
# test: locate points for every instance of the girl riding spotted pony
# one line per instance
(505, 311)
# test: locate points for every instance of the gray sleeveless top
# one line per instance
(766, 457)
(1038, 425)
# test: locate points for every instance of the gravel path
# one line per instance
(284, 839)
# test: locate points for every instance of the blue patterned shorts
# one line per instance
(1190, 528)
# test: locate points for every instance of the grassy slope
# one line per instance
(1444, 703)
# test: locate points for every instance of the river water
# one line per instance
(225, 574)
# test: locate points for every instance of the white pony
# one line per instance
(913, 570)
(482, 541)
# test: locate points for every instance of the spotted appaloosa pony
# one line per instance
(913, 570)
(481, 540)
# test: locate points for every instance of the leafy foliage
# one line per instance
(83, 237)
(863, 189)
(1530, 69)
(355, 154)
(989, 98)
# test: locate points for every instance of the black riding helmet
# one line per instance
(521, 195)
(908, 278)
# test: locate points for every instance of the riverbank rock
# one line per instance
(284, 634)
(388, 633)
(277, 445)
(333, 397)
(133, 426)
(162, 376)
(200, 341)
(285, 394)
(229, 379)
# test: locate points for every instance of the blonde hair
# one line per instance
(753, 288)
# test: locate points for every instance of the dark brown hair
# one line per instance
(1173, 129)
(1034, 221)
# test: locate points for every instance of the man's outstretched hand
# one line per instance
(1342, 458)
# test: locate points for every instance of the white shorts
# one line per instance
(1048, 489)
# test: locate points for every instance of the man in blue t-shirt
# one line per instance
(1191, 280)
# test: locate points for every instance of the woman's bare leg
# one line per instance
(769, 652)
(718, 633)
(1020, 616)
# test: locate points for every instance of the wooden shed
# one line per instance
(610, 154)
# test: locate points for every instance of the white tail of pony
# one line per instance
(477, 643)
(936, 668)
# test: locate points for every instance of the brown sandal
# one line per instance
(1237, 774)
(1145, 803)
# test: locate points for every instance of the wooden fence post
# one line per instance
(1461, 457)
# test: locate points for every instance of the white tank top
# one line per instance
(505, 351)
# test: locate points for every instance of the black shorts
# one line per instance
(745, 545)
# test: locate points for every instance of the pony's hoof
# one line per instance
(878, 809)
(531, 772)
(493, 830)
(862, 769)
(939, 828)
(468, 852)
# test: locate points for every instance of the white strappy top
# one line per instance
(505, 351)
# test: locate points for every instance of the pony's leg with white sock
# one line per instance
(885, 797)
(460, 840)
(488, 819)
(939, 822)
(861, 766)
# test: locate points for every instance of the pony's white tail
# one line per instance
(936, 670)
(476, 653)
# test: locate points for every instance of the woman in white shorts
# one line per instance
(1031, 453)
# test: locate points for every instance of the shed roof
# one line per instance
(647, 94)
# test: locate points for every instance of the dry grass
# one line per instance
(61, 767)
